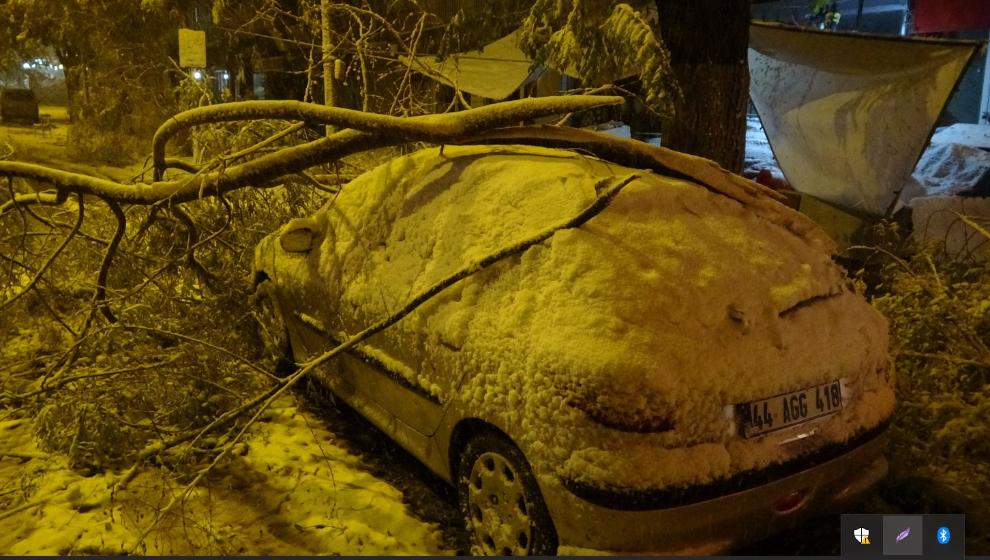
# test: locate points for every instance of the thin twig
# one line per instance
(51, 258)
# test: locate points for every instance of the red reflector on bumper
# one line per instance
(790, 502)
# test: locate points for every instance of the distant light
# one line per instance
(60, 67)
(26, 65)
(226, 76)
(197, 75)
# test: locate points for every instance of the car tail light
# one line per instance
(623, 420)
(790, 502)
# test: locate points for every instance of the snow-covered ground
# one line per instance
(758, 153)
(296, 489)
(35, 144)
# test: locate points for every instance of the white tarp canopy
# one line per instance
(848, 115)
(495, 72)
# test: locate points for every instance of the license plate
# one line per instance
(789, 409)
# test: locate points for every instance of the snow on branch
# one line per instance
(48, 198)
(430, 128)
(387, 131)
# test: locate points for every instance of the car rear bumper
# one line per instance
(718, 524)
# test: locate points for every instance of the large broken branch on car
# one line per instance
(260, 171)
(428, 128)
(379, 130)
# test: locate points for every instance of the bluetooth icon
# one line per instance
(943, 535)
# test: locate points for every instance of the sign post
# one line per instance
(192, 48)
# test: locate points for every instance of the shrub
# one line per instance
(939, 312)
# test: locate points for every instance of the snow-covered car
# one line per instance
(686, 372)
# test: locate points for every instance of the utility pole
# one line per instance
(329, 95)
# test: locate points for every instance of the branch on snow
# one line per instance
(51, 258)
(101, 279)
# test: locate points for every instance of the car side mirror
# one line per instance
(300, 235)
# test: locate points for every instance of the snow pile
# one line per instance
(973, 135)
(759, 155)
(674, 303)
(950, 169)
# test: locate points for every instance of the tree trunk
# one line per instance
(72, 71)
(708, 42)
(71, 89)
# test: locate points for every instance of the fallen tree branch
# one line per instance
(58, 250)
(48, 198)
(606, 191)
(63, 381)
(192, 242)
(176, 163)
(238, 358)
(20, 455)
(427, 128)
(947, 358)
(264, 169)
(25, 506)
(52, 312)
(100, 299)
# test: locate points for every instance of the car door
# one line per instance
(386, 371)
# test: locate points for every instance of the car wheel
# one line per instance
(272, 331)
(501, 502)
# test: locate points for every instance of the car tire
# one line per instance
(500, 500)
(272, 330)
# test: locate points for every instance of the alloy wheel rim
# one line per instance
(498, 508)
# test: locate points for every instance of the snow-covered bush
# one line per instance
(939, 312)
